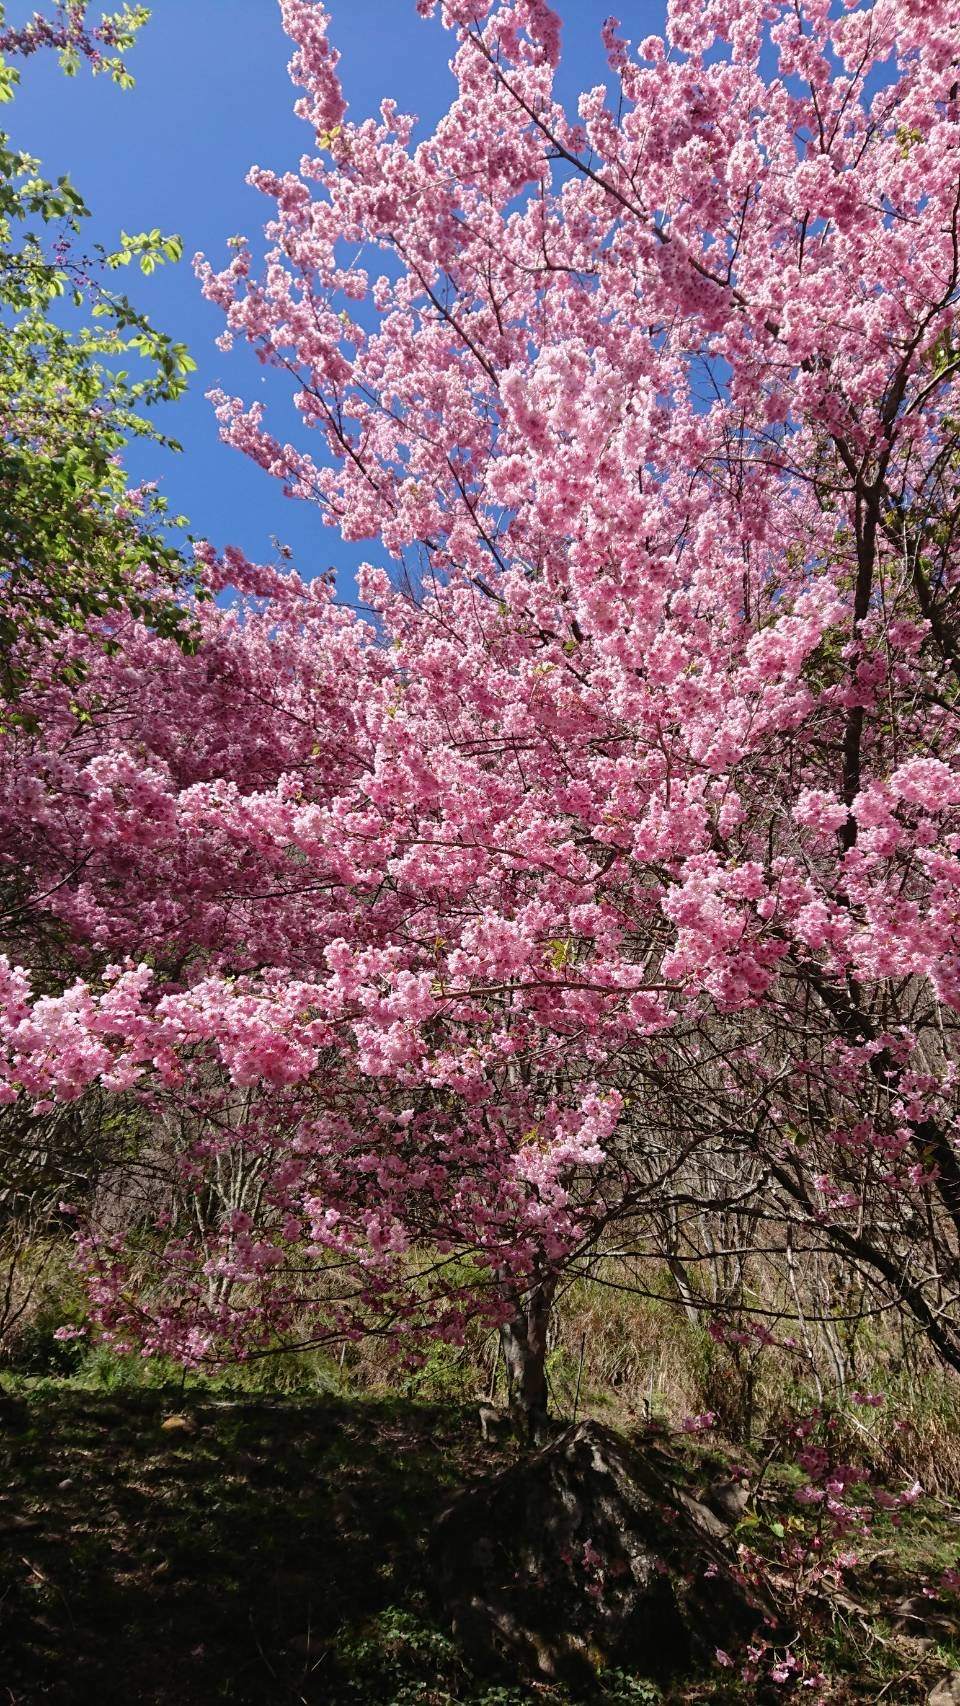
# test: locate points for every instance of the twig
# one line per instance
(576, 1396)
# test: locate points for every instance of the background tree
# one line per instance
(75, 539)
(79, 545)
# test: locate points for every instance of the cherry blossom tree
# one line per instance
(607, 874)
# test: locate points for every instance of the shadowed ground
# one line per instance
(168, 1549)
(215, 1558)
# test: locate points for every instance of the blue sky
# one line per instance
(212, 98)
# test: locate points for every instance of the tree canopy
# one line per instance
(603, 878)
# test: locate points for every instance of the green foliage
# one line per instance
(623, 1690)
(389, 1651)
(76, 542)
(38, 1352)
(76, 42)
(442, 1373)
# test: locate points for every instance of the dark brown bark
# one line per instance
(524, 1342)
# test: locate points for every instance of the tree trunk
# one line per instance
(524, 1342)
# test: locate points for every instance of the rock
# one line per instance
(583, 1555)
(946, 1692)
(915, 1608)
(178, 1425)
(923, 1614)
(18, 1524)
(729, 1499)
(494, 1424)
